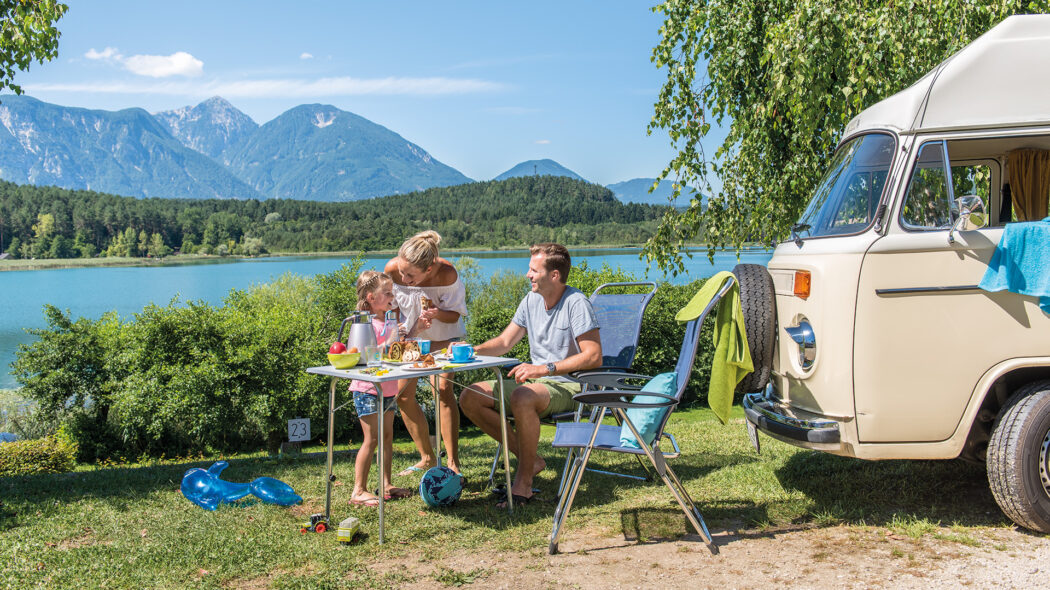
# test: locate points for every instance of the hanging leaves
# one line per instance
(784, 78)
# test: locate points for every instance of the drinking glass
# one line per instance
(374, 356)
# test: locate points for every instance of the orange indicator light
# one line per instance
(802, 283)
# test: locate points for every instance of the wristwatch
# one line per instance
(551, 369)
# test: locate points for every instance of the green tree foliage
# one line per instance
(27, 33)
(497, 214)
(786, 77)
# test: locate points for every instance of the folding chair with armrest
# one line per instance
(620, 323)
(582, 437)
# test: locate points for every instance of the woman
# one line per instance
(428, 286)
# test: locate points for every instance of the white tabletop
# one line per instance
(403, 371)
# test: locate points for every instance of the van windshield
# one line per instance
(847, 197)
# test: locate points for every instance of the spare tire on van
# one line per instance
(760, 322)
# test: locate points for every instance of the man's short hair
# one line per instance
(555, 257)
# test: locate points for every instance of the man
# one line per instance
(563, 337)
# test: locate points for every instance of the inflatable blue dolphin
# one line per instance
(207, 490)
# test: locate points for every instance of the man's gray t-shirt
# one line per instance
(553, 332)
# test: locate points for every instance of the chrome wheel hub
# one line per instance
(1044, 463)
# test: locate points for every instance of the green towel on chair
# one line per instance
(732, 360)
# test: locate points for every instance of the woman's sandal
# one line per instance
(372, 502)
(518, 501)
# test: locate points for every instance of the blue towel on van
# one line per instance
(1021, 262)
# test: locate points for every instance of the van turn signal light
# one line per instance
(802, 284)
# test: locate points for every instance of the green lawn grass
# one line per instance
(127, 526)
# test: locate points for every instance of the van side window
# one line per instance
(928, 205)
(973, 179)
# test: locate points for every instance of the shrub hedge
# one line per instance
(51, 454)
(191, 377)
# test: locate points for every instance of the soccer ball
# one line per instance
(440, 486)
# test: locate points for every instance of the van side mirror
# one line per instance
(972, 215)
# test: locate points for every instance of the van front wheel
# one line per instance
(1019, 457)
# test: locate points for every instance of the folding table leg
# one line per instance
(379, 448)
(331, 440)
(503, 432)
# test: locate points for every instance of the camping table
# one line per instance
(400, 372)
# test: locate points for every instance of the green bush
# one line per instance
(52, 454)
(189, 378)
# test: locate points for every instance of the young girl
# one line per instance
(375, 294)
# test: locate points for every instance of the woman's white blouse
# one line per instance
(449, 298)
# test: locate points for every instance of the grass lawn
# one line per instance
(128, 526)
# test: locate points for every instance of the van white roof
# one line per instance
(1001, 79)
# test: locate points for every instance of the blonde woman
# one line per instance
(427, 287)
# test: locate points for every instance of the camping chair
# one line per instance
(620, 323)
(584, 437)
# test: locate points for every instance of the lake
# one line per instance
(90, 292)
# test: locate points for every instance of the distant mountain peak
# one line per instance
(545, 167)
(320, 152)
(636, 190)
(126, 152)
(211, 127)
(212, 149)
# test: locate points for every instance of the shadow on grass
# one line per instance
(878, 492)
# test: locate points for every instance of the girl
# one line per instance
(433, 301)
(375, 294)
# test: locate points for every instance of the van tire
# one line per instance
(760, 322)
(1018, 455)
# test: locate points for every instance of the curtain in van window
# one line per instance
(1030, 183)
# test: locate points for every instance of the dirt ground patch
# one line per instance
(838, 557)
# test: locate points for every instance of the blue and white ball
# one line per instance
(440, 487)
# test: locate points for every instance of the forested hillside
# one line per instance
(48, 222)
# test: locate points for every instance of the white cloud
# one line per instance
(284, 87)
(179, 63)
(109, 53)
(543, 141)
(305, 55)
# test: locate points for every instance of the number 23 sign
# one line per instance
(298, 429)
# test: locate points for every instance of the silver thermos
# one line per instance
(360, 334)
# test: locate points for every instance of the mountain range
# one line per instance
(213, 150)
(637, 191)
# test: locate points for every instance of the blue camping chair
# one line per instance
(583, 437)
(620, 324)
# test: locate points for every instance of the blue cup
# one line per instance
(461, 352)
(424, 345)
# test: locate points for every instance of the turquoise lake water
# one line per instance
(90, 292)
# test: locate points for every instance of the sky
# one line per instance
(482, 86)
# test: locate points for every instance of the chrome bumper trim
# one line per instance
(764, 412)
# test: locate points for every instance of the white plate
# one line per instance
(411, 368)
(472, 359)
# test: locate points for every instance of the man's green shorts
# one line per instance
(561, 393)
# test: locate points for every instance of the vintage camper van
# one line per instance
(871, 336)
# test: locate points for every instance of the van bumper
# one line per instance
(784, 423)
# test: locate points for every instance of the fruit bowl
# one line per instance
(344, 360)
